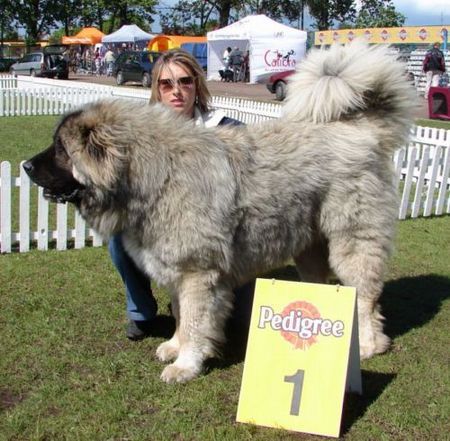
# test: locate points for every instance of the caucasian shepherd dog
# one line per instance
(203, 211)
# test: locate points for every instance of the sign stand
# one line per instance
(302, 355)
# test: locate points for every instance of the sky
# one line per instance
(424, 12)
(417, 12)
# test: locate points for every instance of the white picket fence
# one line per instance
(43, 96)
(422, 168)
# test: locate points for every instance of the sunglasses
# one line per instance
(167, 84)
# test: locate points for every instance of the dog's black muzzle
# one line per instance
(57, 181)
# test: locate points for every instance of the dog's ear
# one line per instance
(101, 156)
(94, 145)
(96, 150)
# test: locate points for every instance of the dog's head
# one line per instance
(82, 157)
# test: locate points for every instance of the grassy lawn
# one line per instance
(435, 123)
(67, 372)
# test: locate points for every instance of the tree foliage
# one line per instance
(189, 17)
(37, 17)
(6, 19)
(327, 12)
(378, 13)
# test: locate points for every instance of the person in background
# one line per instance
(245, 74)
(236, 58)
(97, 61)
(109, 61)
(433, 66)
(226, 59)
(179, 83)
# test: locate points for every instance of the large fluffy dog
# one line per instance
(205, 210)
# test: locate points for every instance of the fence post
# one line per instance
(5, 203)
(445, 177)
(61, 226)
(24, 211)
(432, 182)
(42, 227)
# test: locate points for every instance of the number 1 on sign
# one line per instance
(297, 379)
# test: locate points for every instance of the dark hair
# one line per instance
(188, 62)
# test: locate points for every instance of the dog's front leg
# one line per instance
(204, 305)
(170, 349)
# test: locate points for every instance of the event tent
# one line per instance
(161, 43)
(273, 47)
(85, 36)
(127, 34)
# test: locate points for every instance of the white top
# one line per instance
(208, 119)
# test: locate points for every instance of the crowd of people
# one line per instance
(95, 60)
(235, 65)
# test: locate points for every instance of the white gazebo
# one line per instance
(273, 47)
(127, 34)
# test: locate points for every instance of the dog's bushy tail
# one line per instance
(331, 84)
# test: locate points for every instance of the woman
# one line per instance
(179, 83)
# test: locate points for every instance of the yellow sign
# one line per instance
(406, 34)
(302, 353)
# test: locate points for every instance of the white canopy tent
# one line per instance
(272, 46)
(128, 34)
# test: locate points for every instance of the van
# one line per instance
(48, 63)
(199, 51)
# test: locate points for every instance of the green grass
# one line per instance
(21, 138)
(435, 123)
(67, 372)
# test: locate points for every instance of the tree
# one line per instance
(125, 12)
(37, 16)
(326, 12)
(378, 13)
(195, 17)
(275, 9)
(6, 18)
(69, 14)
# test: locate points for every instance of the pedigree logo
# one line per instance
(300, 324)
(276, 58)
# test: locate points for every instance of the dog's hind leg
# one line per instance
(204, 306)
(359, 260)
(312, 263)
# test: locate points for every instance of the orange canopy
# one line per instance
(162, 43)
(85, 36)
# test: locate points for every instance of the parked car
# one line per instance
(48, 63)
(199, 51)
(135, 66)
(6, 63)
(277, 84)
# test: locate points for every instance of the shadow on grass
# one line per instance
(407, 303)
(411, 302)
(355, 405)
(163, 326)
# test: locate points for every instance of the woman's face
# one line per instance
(177, 89)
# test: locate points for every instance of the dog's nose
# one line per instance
(28, 166)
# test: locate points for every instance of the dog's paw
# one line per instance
(378, 344)
(167, 351)
(178, 374)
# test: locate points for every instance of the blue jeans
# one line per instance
(141, 305)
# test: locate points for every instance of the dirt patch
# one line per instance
(9, 399)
